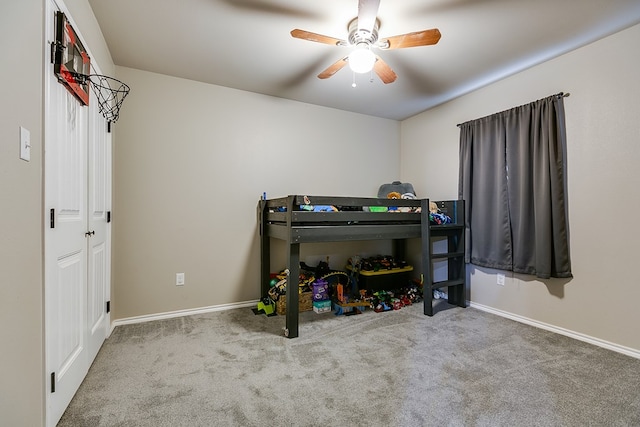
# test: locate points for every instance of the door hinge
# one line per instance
(52, 218)
(108, 216)
(108, 306)
(53, 382)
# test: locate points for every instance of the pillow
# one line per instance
(395, 187)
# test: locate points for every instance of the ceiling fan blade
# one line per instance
(367, 13)
(314, 37)
(333, 68)
(382, 69)
(418, 38)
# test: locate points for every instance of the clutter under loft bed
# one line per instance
(299, 219)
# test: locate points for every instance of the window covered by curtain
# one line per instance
(512, 178)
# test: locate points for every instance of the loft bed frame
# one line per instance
(282, 218)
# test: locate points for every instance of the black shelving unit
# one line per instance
(455, 283)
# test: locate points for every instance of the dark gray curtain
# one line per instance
(512, 178)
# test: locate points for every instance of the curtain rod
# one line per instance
(559, 95)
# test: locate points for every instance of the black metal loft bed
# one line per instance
(358, 218)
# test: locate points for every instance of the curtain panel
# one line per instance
(513, 181)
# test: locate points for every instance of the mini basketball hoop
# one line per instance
(110, 93)
(72, 67)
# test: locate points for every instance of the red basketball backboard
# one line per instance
(71, 63)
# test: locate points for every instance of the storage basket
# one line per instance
(305, 303)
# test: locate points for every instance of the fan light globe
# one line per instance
(361, 60)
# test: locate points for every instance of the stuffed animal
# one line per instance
(394, 195)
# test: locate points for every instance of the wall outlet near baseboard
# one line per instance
(179, 279)
(500, 279)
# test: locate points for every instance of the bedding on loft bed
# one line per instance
(349, 218)
(350, 204)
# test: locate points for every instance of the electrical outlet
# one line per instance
(500, 279)
(179, 279)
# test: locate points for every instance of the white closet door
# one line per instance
(99, 206)
(77, 182)
(65, 247)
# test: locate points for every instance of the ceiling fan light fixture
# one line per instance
(361, 60)
(363, 35)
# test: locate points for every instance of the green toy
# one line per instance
(266, 306)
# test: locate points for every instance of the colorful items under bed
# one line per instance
(380, 283)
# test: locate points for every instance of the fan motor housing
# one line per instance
(362, 36)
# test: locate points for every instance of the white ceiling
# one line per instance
(245, 44)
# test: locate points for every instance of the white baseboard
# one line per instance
(180, 313)
(566, 332)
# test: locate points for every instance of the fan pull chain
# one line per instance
(354, 80)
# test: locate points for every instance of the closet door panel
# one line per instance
(99, 202)
(65, 246)
(77, 197)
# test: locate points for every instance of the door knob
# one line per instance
(89, 233)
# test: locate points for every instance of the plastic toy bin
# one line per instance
(384, 279)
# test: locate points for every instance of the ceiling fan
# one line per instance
(363, 35)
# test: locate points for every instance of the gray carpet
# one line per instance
(461, 367)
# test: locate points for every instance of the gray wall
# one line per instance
(603, 134)
(191, 161)
(21, 292)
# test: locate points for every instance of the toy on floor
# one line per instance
(347, 305)
(265, 306)
(350, 308)
(381, 301)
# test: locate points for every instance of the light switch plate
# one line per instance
(25, 144)
(179, 279)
